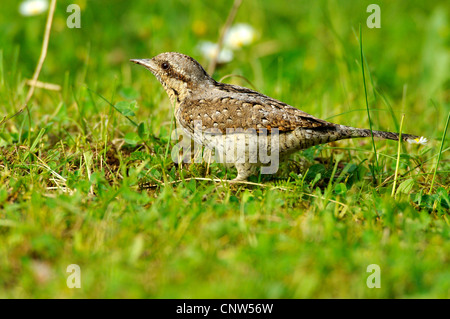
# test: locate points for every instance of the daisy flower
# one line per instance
(33, 7)
(419, 140)
(239, 35)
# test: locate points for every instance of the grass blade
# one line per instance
(365, 92)
(398, 156)
(440, 152)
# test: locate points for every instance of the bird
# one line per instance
(246, 128)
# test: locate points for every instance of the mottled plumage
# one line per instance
(231, 109)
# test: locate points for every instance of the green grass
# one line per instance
(81, 184)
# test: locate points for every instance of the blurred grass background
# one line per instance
(198, 239)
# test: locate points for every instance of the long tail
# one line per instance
(353, 132)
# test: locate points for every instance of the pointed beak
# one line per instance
(147, 63)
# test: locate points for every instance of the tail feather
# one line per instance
(388, 135)
(360, 132)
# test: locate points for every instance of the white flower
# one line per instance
(209, 50)
(419, 140)
(239, 35)
(33, 7)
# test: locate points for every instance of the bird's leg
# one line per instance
(244, 171)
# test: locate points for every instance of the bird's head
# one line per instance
(178, 73)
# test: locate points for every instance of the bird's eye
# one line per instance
(165, 65)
